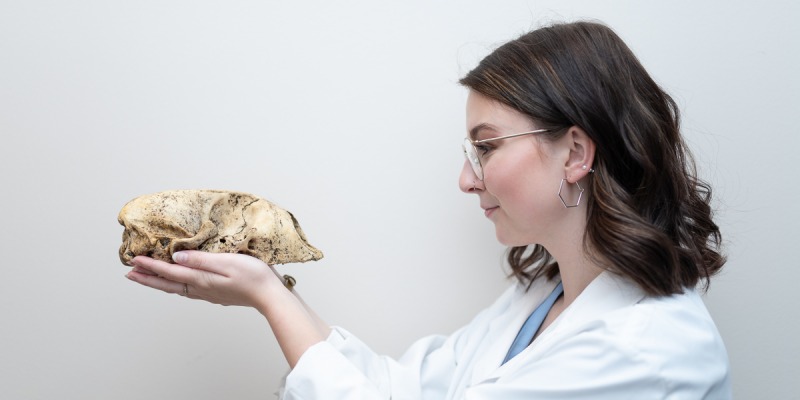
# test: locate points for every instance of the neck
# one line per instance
(576, 275)
(574, 266)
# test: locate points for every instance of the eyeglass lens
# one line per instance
(472, 156)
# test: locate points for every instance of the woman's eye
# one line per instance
(483, 149)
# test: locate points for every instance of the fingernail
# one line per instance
(132, 263)
(179, 257)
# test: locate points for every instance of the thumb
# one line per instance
(197, 260)
(218, 263)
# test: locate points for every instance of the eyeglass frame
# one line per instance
(475, 163)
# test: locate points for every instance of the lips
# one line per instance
(487, 211)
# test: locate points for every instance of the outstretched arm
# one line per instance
(237, 279)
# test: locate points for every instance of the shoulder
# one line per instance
(672, 337)
(618, 340)
(674, 324)
(677, 334)
(616, 306)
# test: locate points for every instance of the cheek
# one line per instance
(522, 183)
(508, 180)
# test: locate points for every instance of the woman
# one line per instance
(576, 157)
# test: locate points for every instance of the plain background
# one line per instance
(349, 114)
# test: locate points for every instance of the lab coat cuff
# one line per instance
(322, 371)
(338, 337)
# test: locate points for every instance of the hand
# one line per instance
(220, 278)
(237, 279)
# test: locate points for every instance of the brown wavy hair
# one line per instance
(648, 214)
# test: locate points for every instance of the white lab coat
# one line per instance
(613, 342)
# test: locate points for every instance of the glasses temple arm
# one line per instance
(510, 136)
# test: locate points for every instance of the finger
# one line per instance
(156, 282)
(172, 272)
(217, 263)
(143, 270)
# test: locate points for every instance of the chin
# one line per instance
(509, 240)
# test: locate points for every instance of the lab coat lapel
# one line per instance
(607, 292)
(503, 329)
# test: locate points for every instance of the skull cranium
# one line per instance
(159, 224)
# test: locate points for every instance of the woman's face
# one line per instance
(521, 174)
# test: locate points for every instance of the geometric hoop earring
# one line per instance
(580, 194)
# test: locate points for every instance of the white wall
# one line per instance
(350, 116)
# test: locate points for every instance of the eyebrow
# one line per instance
(473, 133)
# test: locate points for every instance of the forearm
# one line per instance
(294, 325)
(322, 326)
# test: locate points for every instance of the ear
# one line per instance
(581, 154)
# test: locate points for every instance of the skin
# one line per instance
(519, 190)
(237, 279)
(518, 194)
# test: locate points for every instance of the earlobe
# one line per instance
(581, 154)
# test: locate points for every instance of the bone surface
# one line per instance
(159, 224)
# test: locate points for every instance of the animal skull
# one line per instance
(159, 224)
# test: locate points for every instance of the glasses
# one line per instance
(471, 152)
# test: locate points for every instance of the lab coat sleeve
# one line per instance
(323, 372)
(343, 367)
(665, 348)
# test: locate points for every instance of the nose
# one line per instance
(468, 182)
